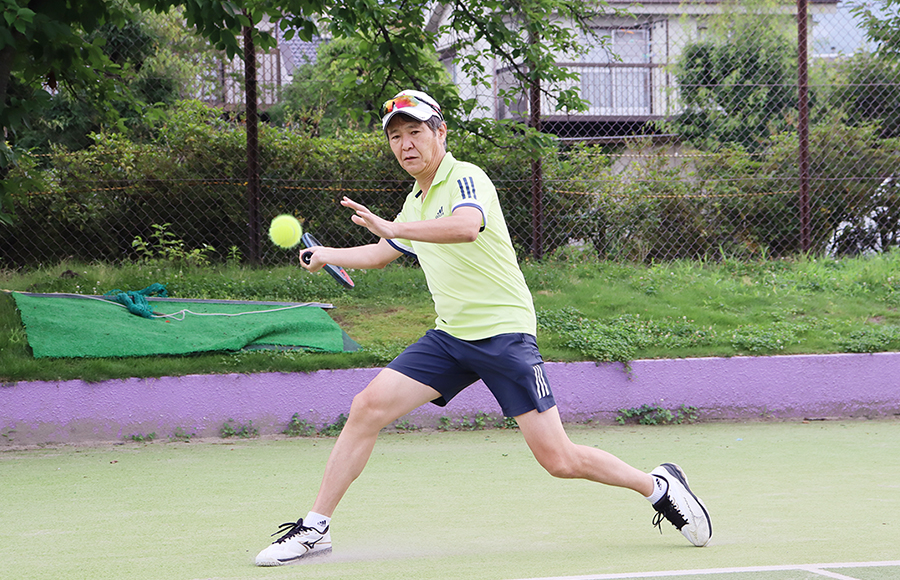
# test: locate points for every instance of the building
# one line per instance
(626, 74)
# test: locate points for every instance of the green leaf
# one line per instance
(26, 14)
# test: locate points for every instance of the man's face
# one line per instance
(418, 149)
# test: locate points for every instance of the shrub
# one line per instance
(93, 203)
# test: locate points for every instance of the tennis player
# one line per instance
(485, 329)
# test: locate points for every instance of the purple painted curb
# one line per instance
(739, 388)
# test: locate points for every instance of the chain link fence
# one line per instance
(711, 130)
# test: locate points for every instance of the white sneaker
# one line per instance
(298, 542)
(681, 507)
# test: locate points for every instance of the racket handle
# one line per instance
(306, 257)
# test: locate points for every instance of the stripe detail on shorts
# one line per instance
(543, 387)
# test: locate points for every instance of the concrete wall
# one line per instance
(739, 388)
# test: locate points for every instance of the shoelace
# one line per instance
(292, 529)
(669, 512)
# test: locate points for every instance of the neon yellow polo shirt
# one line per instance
(477, 287)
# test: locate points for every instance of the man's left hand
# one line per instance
(365, 218)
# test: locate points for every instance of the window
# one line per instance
(612, 87)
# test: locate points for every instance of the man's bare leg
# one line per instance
(666, 487)
(547, 439)
(388, 397)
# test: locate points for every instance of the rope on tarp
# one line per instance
(136, 300)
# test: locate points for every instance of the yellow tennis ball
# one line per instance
(285, 231)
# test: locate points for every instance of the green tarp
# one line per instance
(65, 326)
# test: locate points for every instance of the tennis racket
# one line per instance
(336, 272)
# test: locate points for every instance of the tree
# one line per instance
(863, 89)
(881, 20)
(738, 86)
(349, 75)
(42, 46)
(45, 44)
(870, 91)
(159, 62)
(395, 32)
(48, 46)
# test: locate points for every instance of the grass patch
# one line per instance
(587, 310)
(656, 415)
(232, 428)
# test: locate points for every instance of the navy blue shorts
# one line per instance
(509, 364)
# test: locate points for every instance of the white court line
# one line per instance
(814, 568)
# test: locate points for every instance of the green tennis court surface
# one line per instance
(784, 497)
(841, 571)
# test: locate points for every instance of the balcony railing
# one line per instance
(614, 91)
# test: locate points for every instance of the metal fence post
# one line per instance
(537, 170)
(803, 123)
(252, 124)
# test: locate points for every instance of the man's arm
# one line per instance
(462, 226)
(368, 257)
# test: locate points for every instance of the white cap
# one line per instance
(416, 104)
